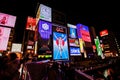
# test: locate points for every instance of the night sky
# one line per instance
(99, 14)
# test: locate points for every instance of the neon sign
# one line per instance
(45, 29)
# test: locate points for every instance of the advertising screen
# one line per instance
(81, 45)
(72, 31)
(45, 29)
(7, 20)
(44, 38)
(98, 47)
(31, 23)
(60, 46)
(83, 32)
(104, 32)
(16, 47)
(45, 13)
(73, 42)
(75, 51)
(85, 36)
(4, 37)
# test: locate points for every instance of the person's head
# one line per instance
(12, 56)
(60, 38)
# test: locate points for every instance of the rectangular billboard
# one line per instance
(83, 32)
(98, 47)
(16, 47)
(75, 51)
(7, 20)
(103, 32)
(4, 37)
(60, 46)
(31, 23)
(45, 29)
(73, 42)
(45, 13)
(44, 38)
(85, 36)
(72, 31)
(60, 43)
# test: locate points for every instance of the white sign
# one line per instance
(45, 13)
(16, 47)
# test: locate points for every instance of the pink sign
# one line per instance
(85, 35)
(7, 20)
(4, 37)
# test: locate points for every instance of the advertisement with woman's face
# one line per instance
(4, 37)
(7, 20)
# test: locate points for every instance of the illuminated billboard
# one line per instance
(60, 43)
(60, 46)
(73, 42)
(75, 51)
(7, 20)
(44, 38)
(4, 37)
(45, 13)
(72, 31)
(81, 45)
(83, 32)
(45, 29)
(98, 47)
(85, 36)
(16, 47)
(104, 32)
(31, 23)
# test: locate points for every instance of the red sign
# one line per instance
(104, 33)
(31, 23)
(85, 35)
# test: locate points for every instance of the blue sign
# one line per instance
(45, 29)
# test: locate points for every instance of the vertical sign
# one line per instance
(60, 43)
(99, 49)
(45, 13)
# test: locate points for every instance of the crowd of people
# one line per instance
(9, 67)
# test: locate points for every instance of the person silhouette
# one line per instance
(3, 20)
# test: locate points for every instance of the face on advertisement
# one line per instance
(1, 32)
(3, 20)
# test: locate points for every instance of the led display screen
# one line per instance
(4, 37)
(16, 47)
(7, 20)
(60, 46)
(45, 29)
(31, 23)
(44, 37)
(45, 13)
(75, 51)
(60, 43)
(72, 31)
(85, 36)
(104, 32)
(81, 45)
(98, 47)
(83, 32)
(73, 42)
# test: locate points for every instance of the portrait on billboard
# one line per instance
(7, 20)
(4, 37)
(60, 46)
